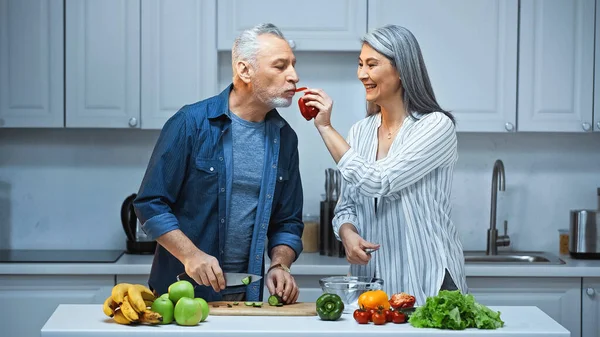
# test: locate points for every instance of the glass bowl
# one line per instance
(349, 288)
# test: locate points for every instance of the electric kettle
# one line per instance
(137, 240)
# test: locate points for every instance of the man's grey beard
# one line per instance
(280, 102)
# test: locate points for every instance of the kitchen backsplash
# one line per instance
(63, 188)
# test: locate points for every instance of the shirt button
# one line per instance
(222, 220)
(275, 140)
(221, 158)
(264, 226)
(274, 166)
(222, 189)
(268, 196)
(211, 169)
(280, 178)
(257, 257)
(222, 252)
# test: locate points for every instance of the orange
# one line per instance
(372, 299)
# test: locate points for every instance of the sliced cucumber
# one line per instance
(249, 304)
(275, 300)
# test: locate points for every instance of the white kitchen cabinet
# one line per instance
(560, 298)
(470, 51)
(102, 63)
(31, 63)
(556, 62)
(590, 307)
(29, 300)
(332, 25)
(179, 57)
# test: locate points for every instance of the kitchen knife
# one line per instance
(231, 279)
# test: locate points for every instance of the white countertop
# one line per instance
(307, 264)
(87, 320)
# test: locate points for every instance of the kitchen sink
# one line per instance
(512, 257)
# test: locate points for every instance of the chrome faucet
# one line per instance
(493, 240)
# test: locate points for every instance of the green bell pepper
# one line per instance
(330, 307)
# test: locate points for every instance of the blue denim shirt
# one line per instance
(187, 186)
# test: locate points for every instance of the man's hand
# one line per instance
(282, 283)
(205, 270)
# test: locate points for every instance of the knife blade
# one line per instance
(231, 279)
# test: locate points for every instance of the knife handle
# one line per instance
(185, 277)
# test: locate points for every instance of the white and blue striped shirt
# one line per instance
(412, 222)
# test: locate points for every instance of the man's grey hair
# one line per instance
(245, 47)
(401, 47)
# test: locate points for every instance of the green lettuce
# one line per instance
(453, 310)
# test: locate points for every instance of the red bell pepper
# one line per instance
(308, 112)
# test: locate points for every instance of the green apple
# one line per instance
(188, 311)
(204, 307)
(166, 295)
(165, 307)
(180, 289)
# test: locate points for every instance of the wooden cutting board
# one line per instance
(220, 308)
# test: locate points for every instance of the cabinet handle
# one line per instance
(132, 122)
(590, 291)
(292, 44)
(586, 126)
(509, 126)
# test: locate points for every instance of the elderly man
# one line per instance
(224, 177)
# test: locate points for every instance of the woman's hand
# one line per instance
(319, 99)
(355, 245)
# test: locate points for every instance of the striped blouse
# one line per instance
(411, 220)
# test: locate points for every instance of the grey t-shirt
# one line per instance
(248, 161)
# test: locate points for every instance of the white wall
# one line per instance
(63, 188)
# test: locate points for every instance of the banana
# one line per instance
(147, 294)
(134, 297)
(119, 291)
(150, 317)
(109, 306)
(120, 318)
(148, 303)
(128, 310)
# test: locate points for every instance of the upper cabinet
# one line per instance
(470, 51)
(179, 57)
(102, 63)
(332, 25)
(556, 62)
(31, 63)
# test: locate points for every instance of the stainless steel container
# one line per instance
(584, 234)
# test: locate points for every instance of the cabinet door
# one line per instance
(31, 63)
(309, 24)
(556, 62)
(30, 300)
(179, 62)
(470, 51)
(102, 63)
(590, 307)
(559, 298)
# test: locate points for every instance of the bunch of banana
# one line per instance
(130, 304)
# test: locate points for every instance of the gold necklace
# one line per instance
(389, 135)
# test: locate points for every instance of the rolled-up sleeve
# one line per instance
(286, 225)
(164, 177)
(432, 144)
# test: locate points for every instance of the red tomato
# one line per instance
(388, 315)
(379, 318)
(371, 313)
(362, 316)
(398, 317)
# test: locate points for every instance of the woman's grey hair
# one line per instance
(245, 47)
(401, 47)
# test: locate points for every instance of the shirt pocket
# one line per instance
(207, 175)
